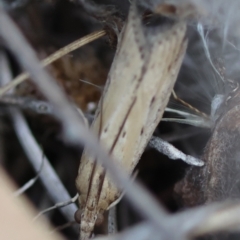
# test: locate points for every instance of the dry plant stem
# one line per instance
(53, 57)
(75, 131)
(48, 176)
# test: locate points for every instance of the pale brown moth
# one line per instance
(137, 91)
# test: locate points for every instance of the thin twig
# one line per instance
(53, 57)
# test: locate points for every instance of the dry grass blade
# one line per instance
(53, 57)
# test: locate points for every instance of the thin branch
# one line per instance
(53, 57)
(75, 131)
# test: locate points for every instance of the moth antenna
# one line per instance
(189, 105)
(206, 49)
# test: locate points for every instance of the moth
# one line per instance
(139, 84)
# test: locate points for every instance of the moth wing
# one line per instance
(114, 105)
(151, 96)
